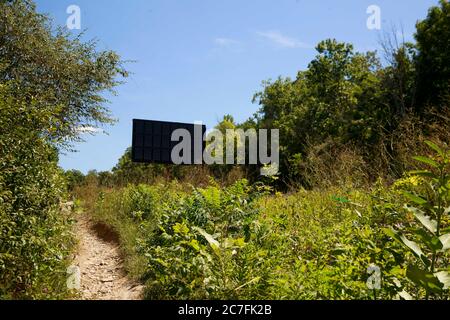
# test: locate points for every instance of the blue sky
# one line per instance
(200, 59)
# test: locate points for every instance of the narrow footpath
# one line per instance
(101, 267)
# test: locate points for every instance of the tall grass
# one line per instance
(248, 242)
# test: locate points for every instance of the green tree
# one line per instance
(126, 171)
(34, 238)
(433, 59)
(340, 81)
(337, 98)
(74, 178)
(59, 73)
(51, 85)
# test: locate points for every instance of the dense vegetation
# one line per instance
(364, 182)
(50, 87)
(357, 201)
(247, 242)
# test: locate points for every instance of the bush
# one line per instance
(34, 236)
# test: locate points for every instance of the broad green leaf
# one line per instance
(425, 279)
(414, 247)
(445, 240)
(428, 161)
(391, 233)
(208, 237)
(423, 173)
(433, 146)
(414, 198)
(432, 242)
(425, 220)
(444, 278)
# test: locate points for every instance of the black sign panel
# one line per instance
(152, 141)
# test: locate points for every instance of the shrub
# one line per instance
(34, 235)
(426, 233)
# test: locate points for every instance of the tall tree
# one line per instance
(433, 59)
(51, 85)
(58, 72)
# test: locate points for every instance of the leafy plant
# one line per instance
(428, 239)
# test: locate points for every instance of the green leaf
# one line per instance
(423, 173)
(432, 242)
(444, 278)
(445, 240)
(181, 229)
(240, 242)
(194, 244)
(425, 220)
(411, 245)
(425, 279)
(414, 198)
(435, 148)
(212, 242)
(427, 161)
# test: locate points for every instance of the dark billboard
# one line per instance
(152, 141)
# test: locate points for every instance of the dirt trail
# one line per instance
(101, 266)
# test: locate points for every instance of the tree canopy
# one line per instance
(57, 71)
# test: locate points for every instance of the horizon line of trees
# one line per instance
(346, 107)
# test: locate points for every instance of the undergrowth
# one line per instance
(250, 242)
